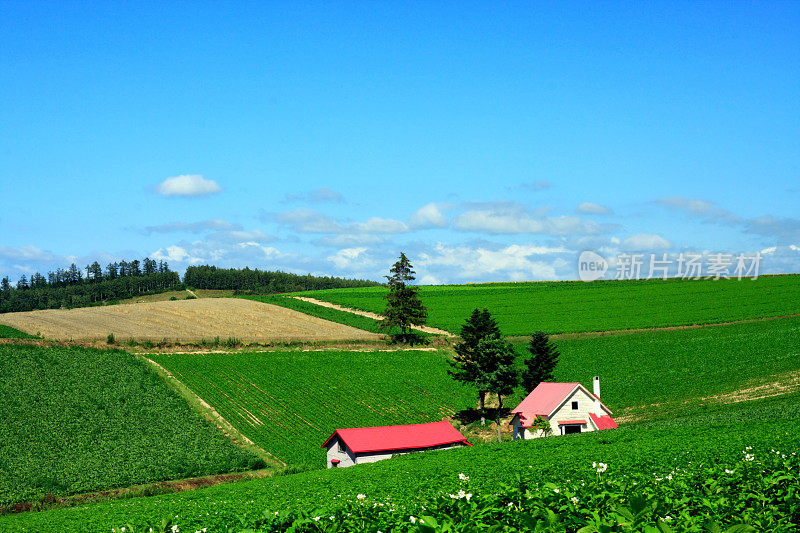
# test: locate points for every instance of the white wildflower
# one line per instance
(316, 519)
(463, 477)
(749, 457)
(413, 520)
(361, 496)
(727, 471)
(574, 500)
(556, 490)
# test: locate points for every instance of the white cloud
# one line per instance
(187, 185)
(347, 240)
(352, 258)
(427, 216)
(318, 195)
(211, 224)
(27, 253)
(515, 262)
(645, 241)
(377, 225)
(591, 208)
(305, 220)
(175, 254)
(513, 218)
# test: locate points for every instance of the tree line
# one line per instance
(70, 288)
(263, 281)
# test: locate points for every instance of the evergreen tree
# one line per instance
(403, 306)
(467, 366)
(544, 357)
(498, 373)
(22, 284)
(5, 285)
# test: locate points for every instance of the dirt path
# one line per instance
(192, 293)
(210, 413)
(425, 329)
(767, 387)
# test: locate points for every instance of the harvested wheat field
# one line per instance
(183, 321)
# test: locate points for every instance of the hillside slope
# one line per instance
(574, 306)
(78, 420)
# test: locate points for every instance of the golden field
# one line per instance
(182, 321)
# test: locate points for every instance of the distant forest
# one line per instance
(71, 288)
(263, 281)
(75, 287)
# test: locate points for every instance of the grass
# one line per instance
(694, 443)
(7, 332)
(563, 307)
(80, 420)
(652, 374)
(334, 315)
(289, 402)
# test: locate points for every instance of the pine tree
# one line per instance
(466, 367)
(544, 357)
(403, 306)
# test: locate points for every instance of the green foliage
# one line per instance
(110, 339)
(542, 363)
(497, 372)
(403, 306)
(542, 425)
(254, 280)
(656, 373)
(290, 402)
(79, 420)
(69, 288)
(467, 366)
(7, 332)
(191, 297)
(693, 471)
(334, 315)
(567, 306)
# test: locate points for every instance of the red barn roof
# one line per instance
(603, 422)
(546, 398)
(407, 437)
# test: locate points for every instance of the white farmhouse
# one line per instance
(347, 447)
(569, 407)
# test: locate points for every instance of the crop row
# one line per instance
(78, 420)
(290, 402)
(703, 445)
(561, 307)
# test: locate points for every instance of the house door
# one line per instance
(572, 428)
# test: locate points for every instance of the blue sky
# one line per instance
(488, 141)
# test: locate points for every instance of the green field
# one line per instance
(289, 402)
(7, 332)
(334, 315)
(574, 306)
(78, 420)
(697, 448)
(652, 373)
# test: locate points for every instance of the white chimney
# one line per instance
(598, 410)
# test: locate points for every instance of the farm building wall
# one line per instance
(350, 459)
(345, 457)
(566, 412)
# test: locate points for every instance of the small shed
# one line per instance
(569, 407)
(347, 447)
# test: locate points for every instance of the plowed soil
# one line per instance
(183, 321)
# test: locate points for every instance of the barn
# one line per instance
(569, 407)
(348, 447)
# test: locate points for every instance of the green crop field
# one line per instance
(290, 402)
(7, 332)
(662, 370)
(693, 467)
(334, 315)
(651, 373)
(78, 420)
(567, 306)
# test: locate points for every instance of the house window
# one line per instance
(340, 446)
(574, 406)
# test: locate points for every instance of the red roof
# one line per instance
(545, 398)
(603, 422)
(565, 422)
(407, 437)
